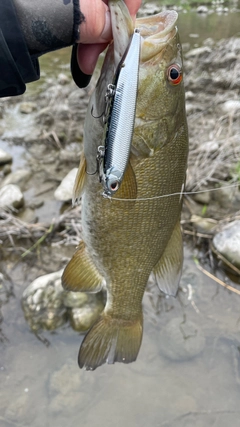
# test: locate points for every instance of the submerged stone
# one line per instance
(42, 302)
(227, 242)
(181, 340)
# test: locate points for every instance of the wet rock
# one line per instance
(85, 309)
(11, 196)
(47, 306)
(27, 107)
(65, 190)
(63, 79)
(181, 340)
(42, 302)
(83, 318)
(20, 178)
(227, 242)
(4, 157)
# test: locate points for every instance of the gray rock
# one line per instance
(63, 79)
(204, 225)
(27, 107)
(225, 196)
(65, 190)
(203, 198)
(202, 9)
(227, 242)
(198, 51)
(209, 146)
(11, 196)
(4, 157)
(19, 177)
(181, 340)
(42, 302)
(231, 106)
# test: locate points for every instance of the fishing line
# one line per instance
(181, 193)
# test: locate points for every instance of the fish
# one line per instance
(122, 96)
(137, 231)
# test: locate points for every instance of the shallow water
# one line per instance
(185, 376)
(167, 386)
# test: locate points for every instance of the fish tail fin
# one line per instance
(111, 340)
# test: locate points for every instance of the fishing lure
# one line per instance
(119, 116)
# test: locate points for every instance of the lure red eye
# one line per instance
(114, 186)
(174, 74)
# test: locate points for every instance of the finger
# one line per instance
(87, 56)
(133, 6)
(96, 27)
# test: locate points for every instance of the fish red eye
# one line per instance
(174, 74)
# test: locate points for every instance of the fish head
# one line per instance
(161, 98)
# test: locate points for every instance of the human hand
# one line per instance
(96, 31)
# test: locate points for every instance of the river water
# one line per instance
(188, 369)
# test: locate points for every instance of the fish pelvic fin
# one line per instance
(168, 270)
(80, 274)
(111, 340)
(80, 180)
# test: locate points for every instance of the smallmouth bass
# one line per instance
(137, 231)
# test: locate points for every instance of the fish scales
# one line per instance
(125, 237)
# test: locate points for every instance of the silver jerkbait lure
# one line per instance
(121, 99)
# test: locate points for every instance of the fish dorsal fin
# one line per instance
(168, 269)
(80, 274)
(80, 180)
(128, 188)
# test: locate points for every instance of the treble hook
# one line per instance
(99, 157)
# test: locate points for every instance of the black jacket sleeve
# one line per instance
(29, 29)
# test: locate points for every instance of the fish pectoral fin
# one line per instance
(80, 274)
(80, 180)
(169, 268)
(128, 188)
(111, 340)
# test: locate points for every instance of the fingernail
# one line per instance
(107, 31)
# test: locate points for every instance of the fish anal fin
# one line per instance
(128, 188)
(80, 274)
(169, 268)
(80, 180)
(111, 340)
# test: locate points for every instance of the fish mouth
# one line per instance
(156, 31)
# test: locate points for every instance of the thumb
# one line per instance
(96, 27)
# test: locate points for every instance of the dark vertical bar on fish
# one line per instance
(121, 121)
